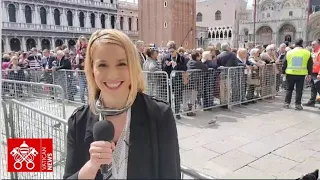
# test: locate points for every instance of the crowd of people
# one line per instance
(197, 76)
(256, 78)
(48, 63)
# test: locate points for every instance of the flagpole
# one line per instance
(308, 21)
(254, 22)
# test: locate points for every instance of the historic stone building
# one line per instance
(314, 22)
(51, 23)
(278, 21)
(128, 14)
(218, 21)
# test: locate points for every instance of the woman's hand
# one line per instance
(101, 153)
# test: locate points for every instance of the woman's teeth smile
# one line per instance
(113, 85)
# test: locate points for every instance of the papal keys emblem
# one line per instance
(24, 154)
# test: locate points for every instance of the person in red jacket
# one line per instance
(315, 81)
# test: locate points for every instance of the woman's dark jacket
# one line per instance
(154, 148)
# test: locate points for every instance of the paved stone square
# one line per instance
(257, 141)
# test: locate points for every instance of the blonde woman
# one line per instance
(145, 143)
(81, 43)
(16, 73)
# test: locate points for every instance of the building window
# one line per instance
(165, 4)
(12, 13)
(121, 23)
(218, 15)
(111, 1)
(199, 17)
(130, 23)
(81, 19)
(43, 15)
(165, 25)
(15, 44)
(290, 13)
(28, 14)
(268, 15)
(103, 21)
(137, 24)
(56, 17)
(93, 20)
(70, 18)
(112, 19)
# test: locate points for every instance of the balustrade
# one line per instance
(46, 27)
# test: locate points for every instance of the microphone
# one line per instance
(103, 131)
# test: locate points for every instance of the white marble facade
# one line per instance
(33, 23)
(278, 21)
(218, 21)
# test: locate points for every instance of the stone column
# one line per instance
(50, 17)
(63, 18)
(7, 46)
(275, 38)
(21, 16)
(23, 44)
(107, 21)
(36, 15)
(117, 24)
(5, 17)
(38, 43)
(66, 41)
(98, 21)
(87, 20)
(75, 19)
(53, 44)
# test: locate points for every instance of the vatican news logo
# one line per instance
(30, 155)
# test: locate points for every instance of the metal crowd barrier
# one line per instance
(23, 121)
(29, 75)
(188, 173)
(157, 84)
(4, 129)
(46, 97)
(74, 84)
(201, 90)
(188, 91)
(19, 120)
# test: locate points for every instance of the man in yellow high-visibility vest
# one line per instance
(296, 66)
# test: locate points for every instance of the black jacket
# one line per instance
(154, 148)
(64, 63)
(181, 64)
(194, 64)
(49, 62)
(227, 59)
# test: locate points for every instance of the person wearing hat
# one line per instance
(297, 65)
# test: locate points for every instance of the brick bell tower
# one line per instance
(163, 20)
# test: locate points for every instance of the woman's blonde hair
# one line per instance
(111, 36)
(205, 56)
(80, 39)
(14, 58)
